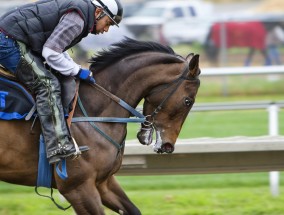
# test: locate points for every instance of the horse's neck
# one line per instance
(139, 81)
(130, 83)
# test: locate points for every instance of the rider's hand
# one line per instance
(86, 75)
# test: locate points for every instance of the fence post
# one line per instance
(223, 54)
(273, 131)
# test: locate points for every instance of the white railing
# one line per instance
(254, 70)
(221, 106)
(224, 72)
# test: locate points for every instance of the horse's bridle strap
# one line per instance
(178, 81)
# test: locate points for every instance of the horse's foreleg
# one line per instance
(115, 198)
(85, 199)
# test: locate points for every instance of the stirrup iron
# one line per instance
(77, 153)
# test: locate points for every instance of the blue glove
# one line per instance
(86, 75)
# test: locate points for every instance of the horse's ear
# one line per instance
(189, 57)
(194, 66)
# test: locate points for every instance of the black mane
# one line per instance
(123, 49)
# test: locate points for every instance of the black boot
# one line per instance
(32, 73)
(67, 150)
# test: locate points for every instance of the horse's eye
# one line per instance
(188, 102)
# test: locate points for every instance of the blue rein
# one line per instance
(140, 118)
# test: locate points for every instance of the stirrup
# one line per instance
(73, 154)
(77, 152)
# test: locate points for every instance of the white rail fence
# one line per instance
(256, 70)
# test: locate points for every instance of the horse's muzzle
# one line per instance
(166, 148)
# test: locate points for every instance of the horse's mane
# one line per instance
(123, 49)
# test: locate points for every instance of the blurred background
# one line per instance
(241, 47)
(213, 27)
(223, 32)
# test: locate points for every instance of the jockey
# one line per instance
(41, 32)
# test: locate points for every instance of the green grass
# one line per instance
(27, 203)
(209, 194)
(223, 194)
(252, 201)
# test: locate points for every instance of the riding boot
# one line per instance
(58, 141)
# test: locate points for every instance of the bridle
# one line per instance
(150, 119)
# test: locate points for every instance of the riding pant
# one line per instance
(9, 53)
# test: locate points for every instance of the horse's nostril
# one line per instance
(168, 148)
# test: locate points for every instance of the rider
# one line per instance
(41, 32)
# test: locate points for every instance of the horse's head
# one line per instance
(167, 107)
(167, 82)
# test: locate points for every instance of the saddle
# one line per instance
(15, 100)
(18, 103)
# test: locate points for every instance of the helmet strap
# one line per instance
(102, 14)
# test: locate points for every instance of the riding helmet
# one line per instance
(112, 8)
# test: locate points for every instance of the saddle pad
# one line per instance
(15, 100)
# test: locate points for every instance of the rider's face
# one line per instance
(103, 25)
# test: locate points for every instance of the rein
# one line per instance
(140, 117)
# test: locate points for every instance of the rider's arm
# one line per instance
(61, 63)
(69, 27)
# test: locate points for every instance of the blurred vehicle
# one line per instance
(186, 30)
(129, 9)
(147, 22)
(196, 29)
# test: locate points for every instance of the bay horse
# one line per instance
(131, 70)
